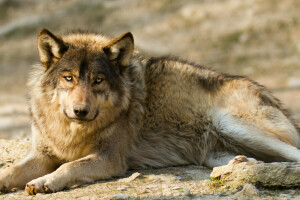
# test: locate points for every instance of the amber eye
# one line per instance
(68, 78)
(98, 80)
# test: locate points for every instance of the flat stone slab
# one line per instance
(277, 174)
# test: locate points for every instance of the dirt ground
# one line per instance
(184, 182)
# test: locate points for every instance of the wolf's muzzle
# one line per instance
(81, 110)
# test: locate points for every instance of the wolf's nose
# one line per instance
(81, 110)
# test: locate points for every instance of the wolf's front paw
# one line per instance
(41, 185)
(35, 186)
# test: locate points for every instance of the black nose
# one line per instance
(81, 110)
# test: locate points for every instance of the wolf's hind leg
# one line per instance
(215, 159)
(240, 159)
(258, 138)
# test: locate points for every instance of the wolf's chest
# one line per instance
(71, 152)
(69, 146)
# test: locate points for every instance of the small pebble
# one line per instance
(248, 191)
(122, 196)
(152, 186)
(130, 178)
(176, 188)
(177, 177)
(122, 188)
(187, 193)
(284, 196)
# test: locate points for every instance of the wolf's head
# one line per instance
(84, 73)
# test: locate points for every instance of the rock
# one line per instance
(122, 188)
(176, 188)
(249, 191)
(162, 178)
(259, 174)
(122, 196)
(151, 186)
(187, 192)
(130, 178)
(285, 196)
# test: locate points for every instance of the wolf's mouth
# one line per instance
(81, 120)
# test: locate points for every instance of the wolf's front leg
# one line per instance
(31, 167)
(88, 169)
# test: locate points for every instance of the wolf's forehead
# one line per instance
(84, 62)
(92, 41)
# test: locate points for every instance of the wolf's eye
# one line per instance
(98, 80)
(68, 78)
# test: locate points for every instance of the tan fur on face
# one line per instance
(80, 95)
(95, 42)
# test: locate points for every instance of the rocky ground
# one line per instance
(185, 182)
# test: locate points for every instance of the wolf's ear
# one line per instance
(50, 47)
(120, 49)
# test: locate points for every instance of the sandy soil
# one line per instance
(185, 182)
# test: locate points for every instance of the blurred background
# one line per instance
(256, 38)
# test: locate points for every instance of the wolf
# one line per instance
(99, 107)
